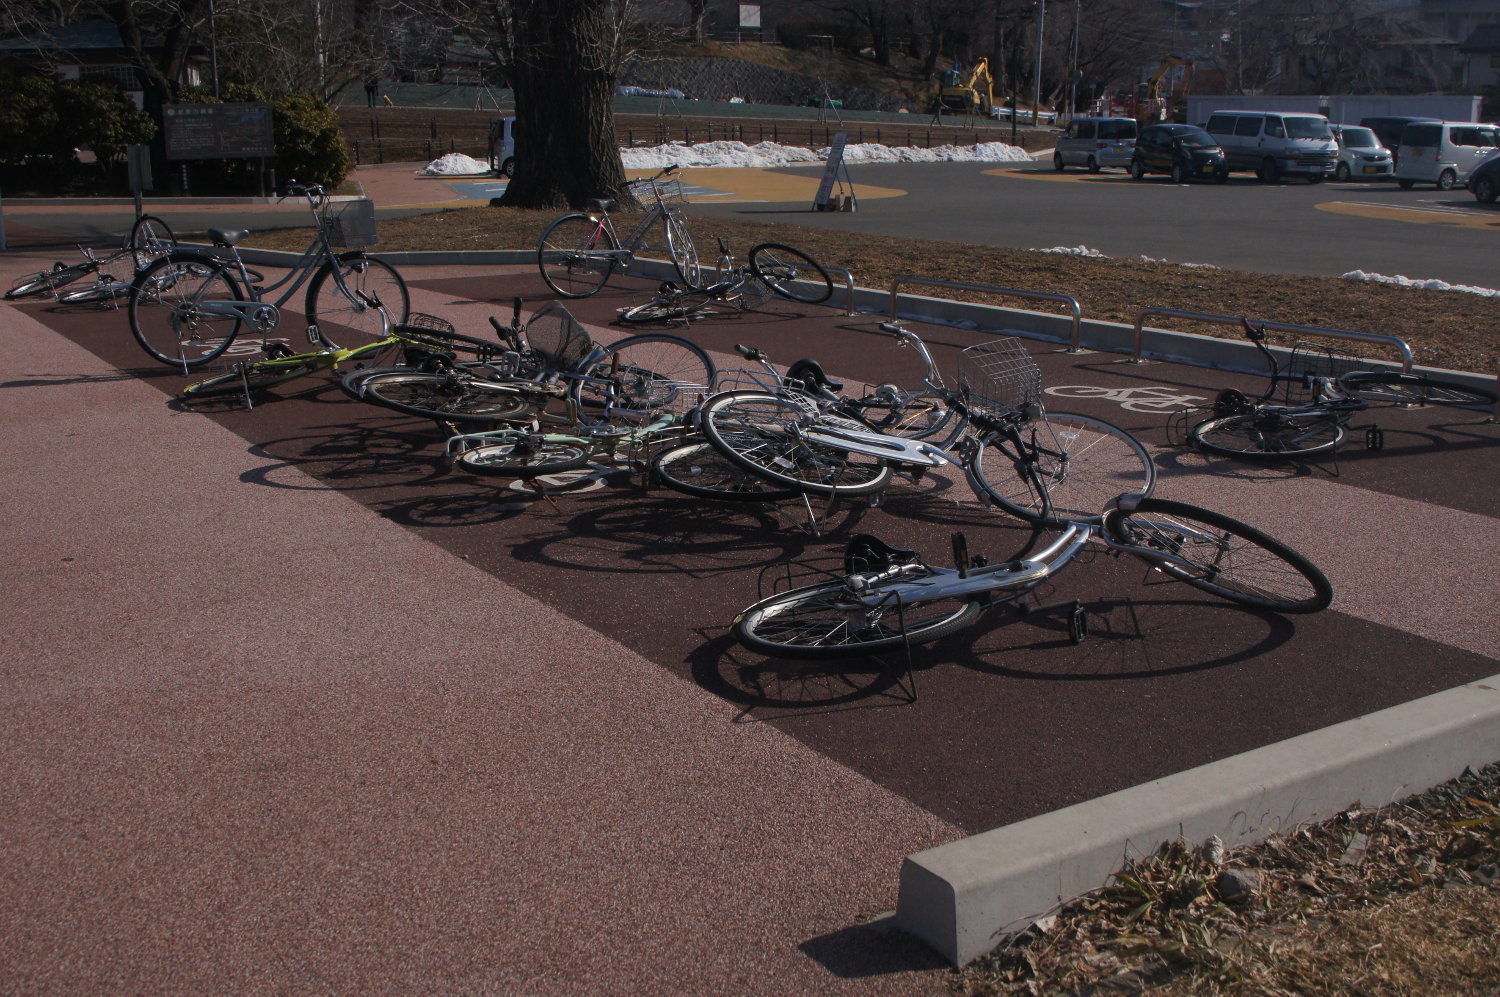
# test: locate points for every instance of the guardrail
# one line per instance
(1013, 292)
(1399, 344)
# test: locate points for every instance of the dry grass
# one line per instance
(1445, 328)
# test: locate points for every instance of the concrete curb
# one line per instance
(964, 898)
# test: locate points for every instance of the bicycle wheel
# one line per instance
(920, 417)
(576, 255)
(684, 254)
(751, 429)
(450, 396)
(827, 621)
(150, 240)
(1414, 389)
(654, 311)
(172, 311)
(1098, 463)
(1269, 434)
(257, 378)
(526, 455)
(790, 273)
(48, 281)
(641, 378)
(698, 469)
(446, 341)
(1222, 556)
(101, 291)
(352, 322)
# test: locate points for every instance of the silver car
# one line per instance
(1095, 142)
(1361, 156)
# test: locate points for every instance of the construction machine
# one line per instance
(967, 93)
(1152, 106)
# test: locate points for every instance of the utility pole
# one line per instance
(1036, 100)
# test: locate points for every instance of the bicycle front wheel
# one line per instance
(576, 255)
(752, 429)
(827, 621)
(1414, 389)
(1268, 434)
(697, 469)
(523, 456)
(642, 378)
(653, 311)
(352, 322)
(150, 240)
(173, 313)
(790, 273)
(449, 396)
(1067, 470)
(1221, 556)
(684, 254)
(48, 281)
(257, 377)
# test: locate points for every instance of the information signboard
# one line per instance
(219, 131)
(831, 171)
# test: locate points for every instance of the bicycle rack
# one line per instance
(954, 285)
(1396, 342)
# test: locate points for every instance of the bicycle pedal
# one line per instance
(1374, 438)
(277, 351)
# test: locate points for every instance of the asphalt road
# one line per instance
(1326, 229)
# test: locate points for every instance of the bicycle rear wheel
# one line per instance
(257, 377)
(525, 455)
(1414, 389)
(449, 396)
(48, 281)
(700, 470)
(576, 255)
(751, 429)
(684, 254)
(1269, 434)
(790, 273)
(1221, 556)
(348, 322)
(150, 240)
(641, 378)
(172, 311)
(1099, 462)
(827, 621)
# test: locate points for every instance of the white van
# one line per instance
(1276, 144)
(1443, 152)
(1095, 142)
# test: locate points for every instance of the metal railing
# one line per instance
(1396, 342)
(1013, 292)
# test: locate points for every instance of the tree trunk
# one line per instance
(566, 64)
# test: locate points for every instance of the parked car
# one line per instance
(1484, 182)
(1361, 156)
(1095, 143)
(1443, 152)
(1181, 151)
(1387, 128)
(1276, 144)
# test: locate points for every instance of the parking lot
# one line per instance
(299, 705)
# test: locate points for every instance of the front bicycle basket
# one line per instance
(350, 223)
(557, 338)
(998, 378)
(1313, 360)
(665, 191)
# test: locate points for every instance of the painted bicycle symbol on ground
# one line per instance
(1148, 398)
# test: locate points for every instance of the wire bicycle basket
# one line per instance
(999, 377)
(1309, 361)
(350, 223)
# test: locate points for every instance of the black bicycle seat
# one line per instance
(867, 552)
(812, 373)
(227, 236)
(601, 204)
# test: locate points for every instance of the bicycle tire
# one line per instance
(449, 397)
(1231, 559)
(443, 341)
(1414, 389)
(99, 291)
(780, 268)
(821, 621)
(641, 378)
(48, 281)
(684, 254)
(163, 313)
(567, 255)
(150, 239)
(349, 324)
(1102, 462)
(697, 468)
(524, 456)
(748, 427)
(265, 375)
(1269, 434)
(653, 311)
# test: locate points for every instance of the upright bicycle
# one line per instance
(188, 307)
(578, 252)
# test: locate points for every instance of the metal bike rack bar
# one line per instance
(848, 288)
(1396, 342)
(954, 285)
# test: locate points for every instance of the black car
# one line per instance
(1182, 151)
(1484, 182)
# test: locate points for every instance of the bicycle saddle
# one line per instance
(867, 552)
(811, 372)
(602, 204)
(227, 236)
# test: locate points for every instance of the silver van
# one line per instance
(1276, 144)
(1094, 143)
(1443, 152)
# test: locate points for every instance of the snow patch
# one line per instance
(1428, 283)
(1075, 251)
(773, 154)
(454, 164)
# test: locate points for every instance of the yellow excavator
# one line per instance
(971, 93)
(1151, 105)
